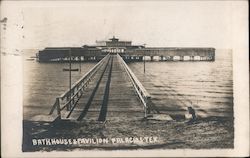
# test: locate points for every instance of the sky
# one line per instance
(161, 23)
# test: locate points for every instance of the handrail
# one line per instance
(141, 91)
(84, 77)
(73, 95)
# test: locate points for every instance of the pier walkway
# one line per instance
(109, 91)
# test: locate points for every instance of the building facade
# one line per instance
(128, 51)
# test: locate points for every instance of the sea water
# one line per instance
(173, 86)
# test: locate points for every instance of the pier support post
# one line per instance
(181, 58)
(171, 58)
(145, 112)
(192, 58)
(152, 58)
(213, 58)
(86, 58)
(58, 108)
(124, 58)
(161, 58)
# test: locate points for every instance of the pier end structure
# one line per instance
(127, 51)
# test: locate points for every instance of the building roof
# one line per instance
(114, 39)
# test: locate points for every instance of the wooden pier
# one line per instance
(109, 90)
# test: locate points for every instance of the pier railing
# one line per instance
(140, 90)
(71, 96)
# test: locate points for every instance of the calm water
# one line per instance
(208, 86)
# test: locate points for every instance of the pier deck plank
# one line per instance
(123, 102)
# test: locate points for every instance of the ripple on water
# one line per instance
(207, 86)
